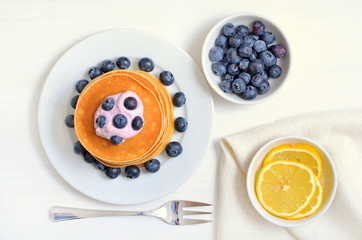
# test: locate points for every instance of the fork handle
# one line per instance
(59, 213)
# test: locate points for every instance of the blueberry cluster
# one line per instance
(173, 149)
(133, 171)
(246, 60)
(119, 121)
(145, 64)
(107, 66)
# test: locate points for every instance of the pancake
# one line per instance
(132, 149)
(165, 99)
(167, 131)
(158, 118)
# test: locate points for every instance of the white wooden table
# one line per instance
(325, 37)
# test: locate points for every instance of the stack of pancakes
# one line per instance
(158, 118)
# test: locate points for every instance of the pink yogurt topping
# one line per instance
(109, 130)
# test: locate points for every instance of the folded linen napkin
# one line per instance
(340, 133)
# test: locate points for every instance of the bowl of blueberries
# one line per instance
(246, 58)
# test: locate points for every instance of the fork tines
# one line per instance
(189, 204)
(193, 204)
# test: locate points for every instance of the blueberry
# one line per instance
(115, 140)
(228, 29)
(132, 171)
(268, 37)
(99, 165)
(88, 157)
(263, 88)
(78, 148)
(228, 77)
(108, 104)
(69, 121)
(221, 41)
(152, 165)
(120, 121)
(146, 64)
(238, 86)
(245, 77)
(233, 69)
(258, 28)
(181, 124)
(107, 65)
(244, 64)
(216, 54)
(274, 71)
(265, 76)
(248, 41)
(94, 72)
(245, 51)
(259, 46)
(173, 149)
(232, 55)
(166, 78)
(74, 101)
(218, 68)
(256, 67)
(179, 99)
(278, 50)
(236, 40)
(81, 85)
(253, 56)
(226, 86)
(250, 93)
(101, 121)
(130, 103)
(123, 63)
(113, 172)
(137, 123)
(267, 58)
(256, 80)
(242, 29)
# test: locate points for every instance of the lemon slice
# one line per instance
(284, 188)
(314, 204)
(297, 152)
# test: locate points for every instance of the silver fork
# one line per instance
(171, 212)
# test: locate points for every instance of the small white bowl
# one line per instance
(329, 180)
(246, 19)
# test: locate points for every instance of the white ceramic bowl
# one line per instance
(329, 180)
(246, 19)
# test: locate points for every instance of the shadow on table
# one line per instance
(218, 152)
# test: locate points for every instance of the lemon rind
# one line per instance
(315, 208)
(289, 147)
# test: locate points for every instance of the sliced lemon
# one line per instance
(284, 188)
(314, 204)
(297, 152)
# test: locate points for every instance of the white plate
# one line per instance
(58, 140)
(246, 19)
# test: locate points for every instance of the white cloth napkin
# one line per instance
(340, 133)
